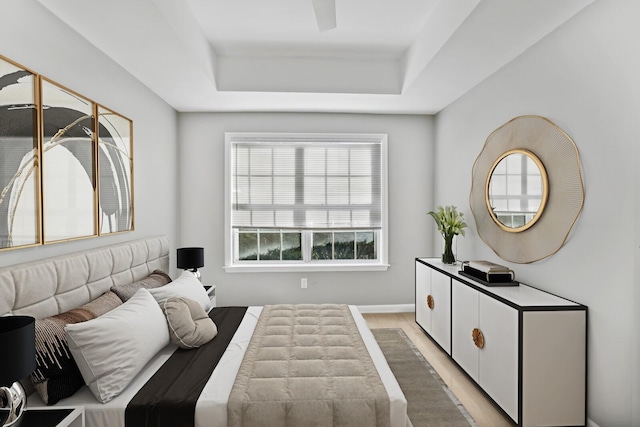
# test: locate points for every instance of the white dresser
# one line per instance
(526, 348)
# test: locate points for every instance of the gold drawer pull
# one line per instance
(430, 302)
(478, 337)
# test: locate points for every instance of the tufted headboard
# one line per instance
(54, 285)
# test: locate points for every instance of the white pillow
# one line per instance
(186, 285)
(112, 349)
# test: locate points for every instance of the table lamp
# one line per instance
(191, 259)
(17, 360)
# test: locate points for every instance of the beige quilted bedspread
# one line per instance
(307, 365)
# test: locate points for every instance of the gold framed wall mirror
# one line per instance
(526, 190)
(517, 190)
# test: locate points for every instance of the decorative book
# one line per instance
(488, 267)
(488, 273)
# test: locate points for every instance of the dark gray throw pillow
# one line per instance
(154, 280)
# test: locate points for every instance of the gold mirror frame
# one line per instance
(559, 155)
(543, 196)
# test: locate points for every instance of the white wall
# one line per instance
(201, 137)
(33, 37)
(585, 77)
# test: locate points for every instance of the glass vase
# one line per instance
(448, 254)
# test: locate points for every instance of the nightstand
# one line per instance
(52, 417)
(211, 291)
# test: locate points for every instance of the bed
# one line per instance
(52, 286)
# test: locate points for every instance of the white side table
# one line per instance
(211, 291)
(53, 417)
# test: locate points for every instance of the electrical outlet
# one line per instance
(303, 283)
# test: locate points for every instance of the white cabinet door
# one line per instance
(495, 365)
(464, 318)
(423, 285)
(441, 312)
(498, 359)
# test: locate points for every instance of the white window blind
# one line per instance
(308, 182)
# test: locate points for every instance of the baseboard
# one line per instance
(591, 423)
(388, 308)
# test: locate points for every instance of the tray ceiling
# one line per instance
(400, 56)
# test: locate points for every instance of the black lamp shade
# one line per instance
(18, 355)
(190, 258)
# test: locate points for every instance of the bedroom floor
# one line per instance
(479, 406)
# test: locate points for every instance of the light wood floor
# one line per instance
(477, 404)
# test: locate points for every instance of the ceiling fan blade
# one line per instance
(325, 14)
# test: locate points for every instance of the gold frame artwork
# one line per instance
(49, 177)
(115, 172)
(559, 156)
(68, 147)
(20, 202)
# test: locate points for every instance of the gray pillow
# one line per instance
(189, 325)
(154, 280)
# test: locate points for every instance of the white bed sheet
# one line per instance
(211, 408)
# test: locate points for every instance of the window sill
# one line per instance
(285, 268)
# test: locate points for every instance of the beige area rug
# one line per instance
(429, 400)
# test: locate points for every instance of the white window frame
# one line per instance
(381, 264)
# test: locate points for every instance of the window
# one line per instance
(306, 202)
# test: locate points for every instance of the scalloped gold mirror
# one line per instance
(526, 189)
(517, 190)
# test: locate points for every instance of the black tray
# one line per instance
(484, 282)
